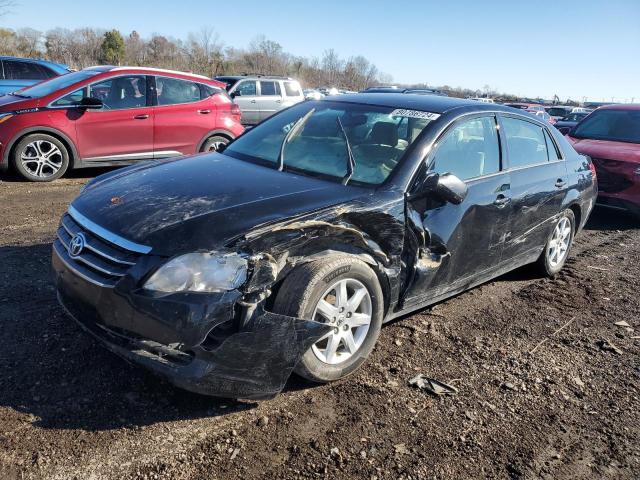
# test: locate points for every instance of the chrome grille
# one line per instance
(103, 260)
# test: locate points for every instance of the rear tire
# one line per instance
(556, 251)
(355, 313)
(213, 143)
(40, 158)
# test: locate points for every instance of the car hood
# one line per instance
(10, 102)
(624, 151)
(201, 202)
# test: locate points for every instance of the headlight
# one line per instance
(200, 272)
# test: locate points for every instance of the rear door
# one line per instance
(245, 95)
(462, 242)
(123, 129)
(538, 185)
(270, 100)
(184, 114)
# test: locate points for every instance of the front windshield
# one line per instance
(57, 83)
(377, 136)
(614, 125)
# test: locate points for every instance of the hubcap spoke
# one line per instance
(41, 158)
(346, 306)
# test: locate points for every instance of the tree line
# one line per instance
(202, 52)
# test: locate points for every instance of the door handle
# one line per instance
(204, 112)
(253, 101)
(278, 101)
(501, 200)
(142, 116)
(560, 183)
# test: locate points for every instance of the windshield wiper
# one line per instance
(290, 134)
(351, 163)
(19, 95)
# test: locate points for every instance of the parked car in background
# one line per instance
(558, 112)
(611, 137)
(225, 272)
(565, 124)
(17, 73)
(544, 116)
(112, 116)
(417, 91)
(482, 99)
(529, 107)
(312, 94)
(260, 96)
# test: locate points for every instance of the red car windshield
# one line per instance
(613, 125)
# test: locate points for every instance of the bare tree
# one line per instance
(5, 7)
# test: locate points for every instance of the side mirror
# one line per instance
(235, 94)
(447, 187)
(91, 103)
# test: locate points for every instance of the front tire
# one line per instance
(344, 292)
(40, 158)
(556, 250)
(214, 143)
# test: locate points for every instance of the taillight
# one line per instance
(592, 167)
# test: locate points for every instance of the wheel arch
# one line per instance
(322, 253)
(74, 159)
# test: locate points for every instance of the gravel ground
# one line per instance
(548, 385)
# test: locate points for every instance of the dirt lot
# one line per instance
(535, 400)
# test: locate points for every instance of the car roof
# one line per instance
(427, 103)
(111, 68)
(621, 106)
(34, 60)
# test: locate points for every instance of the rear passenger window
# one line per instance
(292, 89)
(172, 91)
(554, 154)
(525, 142)
(14, 70)
(269, 88)
(469, 150)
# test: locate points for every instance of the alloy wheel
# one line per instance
(215, 146)
(347, 306)
(559, 243)
(41, 158)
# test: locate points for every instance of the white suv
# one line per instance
(260, 96)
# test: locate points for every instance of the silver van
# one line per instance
(260, 96)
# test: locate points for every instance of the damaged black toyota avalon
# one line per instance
(225, 272)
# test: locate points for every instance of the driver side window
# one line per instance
(469, 150)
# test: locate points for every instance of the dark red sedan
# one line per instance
(104, 116)
(611, 137)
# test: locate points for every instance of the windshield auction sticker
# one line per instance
(402, 112)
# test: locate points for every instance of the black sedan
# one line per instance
(565, 124)
(225, 272)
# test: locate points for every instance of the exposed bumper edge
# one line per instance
(254, 363)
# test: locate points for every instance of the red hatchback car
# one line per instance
(103, 116)
(611, 137)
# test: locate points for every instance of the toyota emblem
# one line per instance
(77, 244)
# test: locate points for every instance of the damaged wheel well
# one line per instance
(326, 255)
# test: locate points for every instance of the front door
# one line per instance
(462, 243)
(538, 186)
(123, 129)
(245, 95)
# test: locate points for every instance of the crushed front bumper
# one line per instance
(192, 340)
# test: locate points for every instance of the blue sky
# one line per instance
(588, 48)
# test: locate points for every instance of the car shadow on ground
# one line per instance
(603, 218)
(88, 173)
